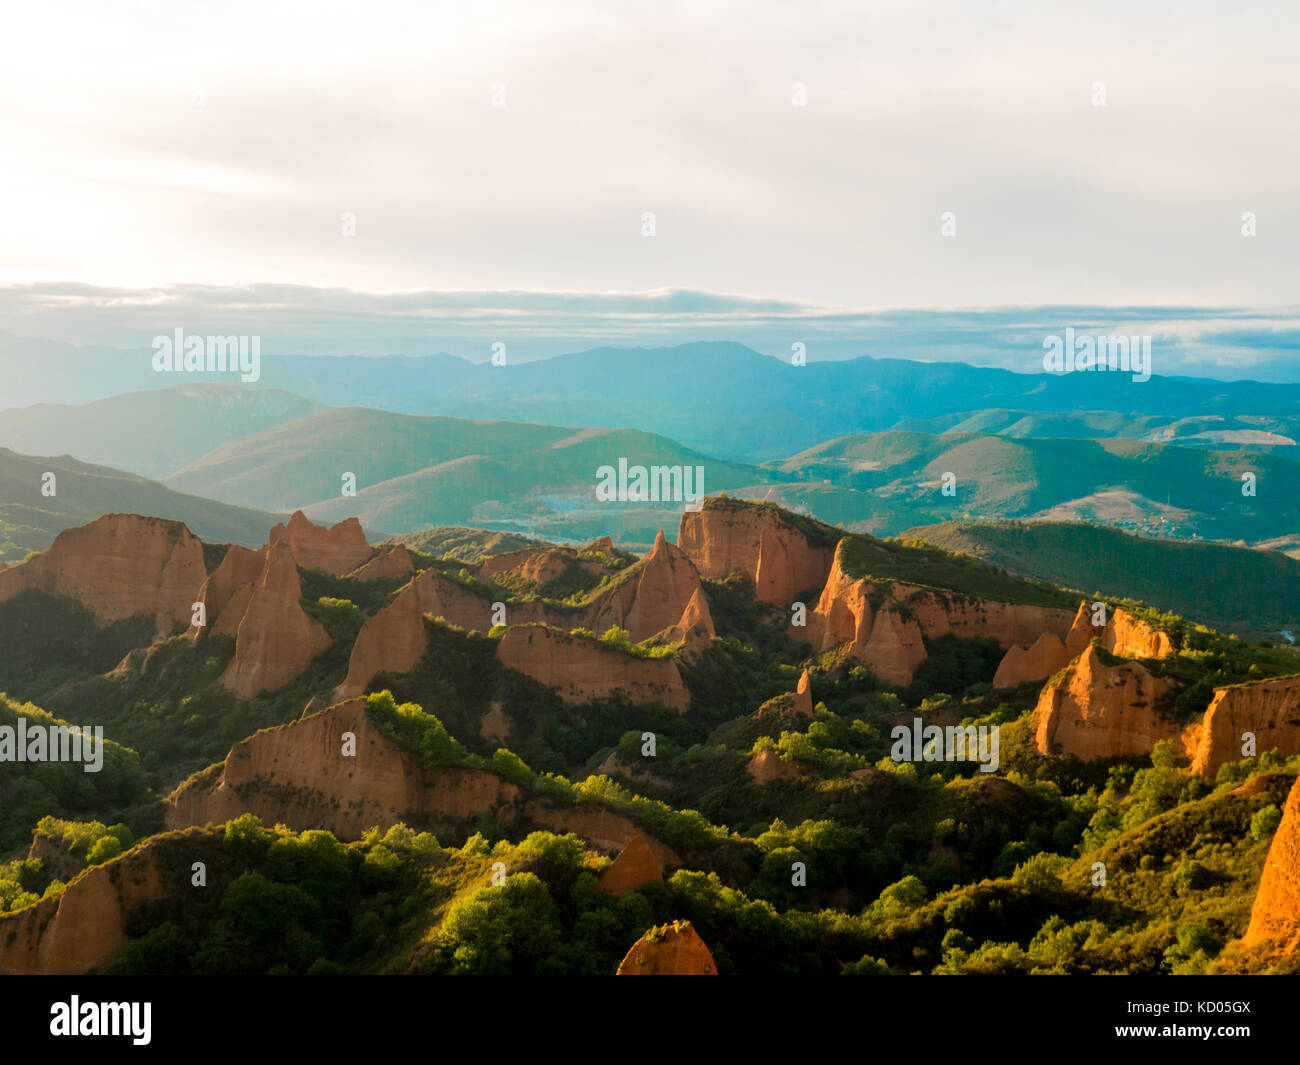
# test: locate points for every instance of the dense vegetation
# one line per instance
(931, 867)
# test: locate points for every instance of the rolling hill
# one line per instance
(1161, 489)
(772, 408)
(29, 520)
(151, 433)
(413, 472)
(1234, 588)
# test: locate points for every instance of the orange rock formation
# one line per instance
(694, 631)
(767, 766)
(338, 549)
(803, 703)
(1037, 662)
(1124, 634)
(275, 640)
(1275, 916)
(1098, 711)
(653, 597)
(226, 592)
(119, 566)
(781, 561)
(1268, 708)
(635, 866)
(395, 562)
(670, 950)
(298, 775)
(582, 670)
(393, 640)
(84, 927)
(888, 638)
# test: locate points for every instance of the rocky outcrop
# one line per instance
(1037, 662)
(387, 565)
(1275, 916)
(781, 560)
(275, 639)
(653, 596)
(338, 549)
(1270, 709)
(84, 927)
(1095, 710)
(299, 775)
(670, 950)
(536, 565)
(635, 866)
(393, 640)
(228, 589)
(1124, 634)
(885, 623)
(582, 670)
(694, 630)
(767, 766)
(803, 702)
(119, 566)
(602, 546)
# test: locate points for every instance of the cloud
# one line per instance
(178, 143)
(1225, 342)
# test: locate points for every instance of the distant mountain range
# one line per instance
(30, 519)
(876, 446)
(772, 409)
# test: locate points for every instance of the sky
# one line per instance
(183, 147)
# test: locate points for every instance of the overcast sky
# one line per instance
(178, 143)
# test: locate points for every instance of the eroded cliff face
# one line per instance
(1275, 916)
(337, 549)
(537, 565)
(803, 701)
(119, 566)
(635, 866)
(299, 775)
(394, 562)
(782, 562)
(885, 623)
(670, 950)
(694, 630)
(226, 592)
(1095, 710)
(84, 927)
(393, 640)
(1270, 709)
(1037, 662)
(767, 766)
(1124, 634)
(275, 640)
(656, 594)
(581, 670)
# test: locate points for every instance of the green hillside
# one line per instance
(413, 471)
(152, 433)
(29, 520)
(1148, 487)
(1236, 588)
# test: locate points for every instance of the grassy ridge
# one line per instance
(1235, 588)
